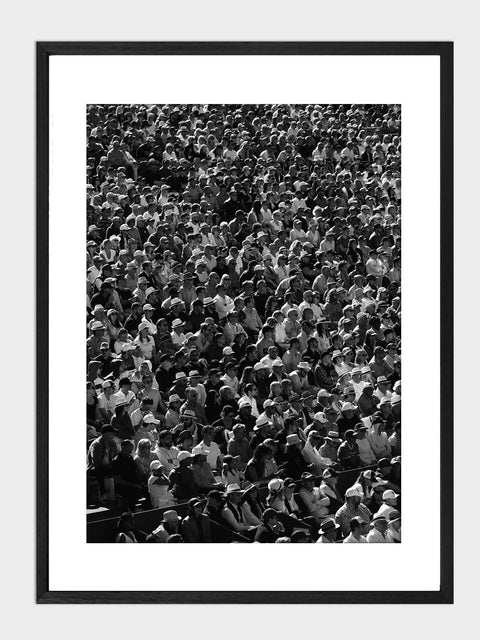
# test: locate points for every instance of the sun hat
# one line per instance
(275, 485)
(233, 488)
(184, 455)
(328, 525)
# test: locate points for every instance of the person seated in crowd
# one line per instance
(128, 482)
(169, 526)
(230, 472)
(158, 484)
(214, 506)
(394, 531)
(166, 452)
(256, 469)
(312, 454)
(378, 530)
(182, 478)
(252, 506)
(315, 501)
(202, 472)
(365, 451)
(328, 531)
(390, 499)
(101, 454)
(232, 512)
(294, 464)
(357, 526)
(329, 487)
(239, 446)
(271, 527)
(352, 508)
(125, 528)
(348, 452)
(196, 525)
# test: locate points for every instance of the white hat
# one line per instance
(323, 393)
(275, 484)
(150, 419)
(268, 403)
(149, 291)
(155, 464)
(183, 455)
(259, 366)
(174, 398)
(233, 488)
(227, 351)
(320, 417)
(304, 365)
(97, 325)
(390, 495)
(245, 403)
(277, 363)
(175, 301)
(143, 325)
(385, 400)
(177, 323)
(353, 492)
(260, 422)
(348, 406)
(396, 398)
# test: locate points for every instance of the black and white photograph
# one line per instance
(243, 323)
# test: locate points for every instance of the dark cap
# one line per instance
(217, 495)
(107, 428)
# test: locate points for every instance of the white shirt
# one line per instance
(168, 457)
(312, 456)
(375, 536)
(213, 453)
(351, 538)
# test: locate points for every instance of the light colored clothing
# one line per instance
(374, 536)
(312, 456)
(316, 502)
(366, 452)
(213, 453)
(160, 496)
(168, 458)
(351, 538)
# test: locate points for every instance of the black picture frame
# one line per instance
(44, 50)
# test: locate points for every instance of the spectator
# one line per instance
(126, 475)
(158, 484)
(271, 528)
(125, 528)
(315, 501)
(169, 526)
(355, 535)
(378, 531)
(328, 531)
(352, 508)
(196, 525)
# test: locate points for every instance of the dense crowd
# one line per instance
(244, 319)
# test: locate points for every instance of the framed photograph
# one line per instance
(245, 251)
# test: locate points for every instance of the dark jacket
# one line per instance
(265, 534)
(194, 530)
